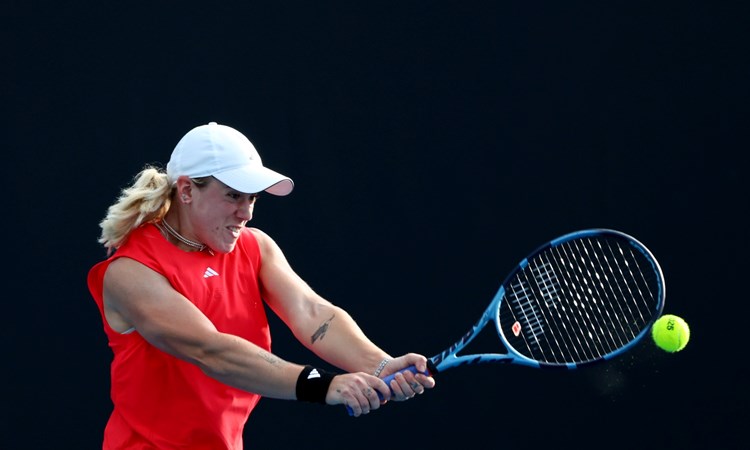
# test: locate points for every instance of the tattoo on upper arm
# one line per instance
(321, 331)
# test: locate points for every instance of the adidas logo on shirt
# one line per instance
(313, 374)
(210, 273)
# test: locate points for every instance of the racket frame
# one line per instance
(449, 357)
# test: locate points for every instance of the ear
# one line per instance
(184, 189)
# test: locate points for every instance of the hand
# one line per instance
(359, 391)
(406, 385)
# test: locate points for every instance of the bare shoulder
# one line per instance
(127, 283)
(127, 267)
(126, 276)
(258, 233)
(265, 242)
(273, 256)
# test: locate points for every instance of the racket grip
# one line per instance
(387, 380)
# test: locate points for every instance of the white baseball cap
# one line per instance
(227, 155)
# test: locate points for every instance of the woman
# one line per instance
(182, 294)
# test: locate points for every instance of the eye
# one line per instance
(238, 196)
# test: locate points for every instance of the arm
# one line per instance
(326, 329)
(167, 320)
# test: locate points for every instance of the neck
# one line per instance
(167, 231)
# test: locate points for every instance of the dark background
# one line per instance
(433, 145)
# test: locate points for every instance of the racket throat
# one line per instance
(432, 369)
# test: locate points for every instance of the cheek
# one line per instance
(214, 214)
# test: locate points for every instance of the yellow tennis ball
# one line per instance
(670, 333)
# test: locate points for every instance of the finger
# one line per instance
(383, 391)
(372, 397)
(417, 382)
(426, 381)
(404, 385)
(363, 397)
(421, 364)
(356, 400)
(354, 407)
(398, 394)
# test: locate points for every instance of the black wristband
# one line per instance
(312, 385)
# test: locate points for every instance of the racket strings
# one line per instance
(597, 281)
(579, 301)
(549, 348)
(590, 317)
(602, 317)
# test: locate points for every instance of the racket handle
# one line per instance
(388, 380)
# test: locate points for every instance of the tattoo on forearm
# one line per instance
(270, 358)
(321, 332)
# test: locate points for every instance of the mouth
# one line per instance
(235, 230)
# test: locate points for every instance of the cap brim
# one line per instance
(252, 179)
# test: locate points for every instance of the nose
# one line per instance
(245, 210)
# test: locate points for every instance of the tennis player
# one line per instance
(182, 297)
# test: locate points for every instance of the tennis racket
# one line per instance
(584, 297)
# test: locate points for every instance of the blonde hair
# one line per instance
(146, 200)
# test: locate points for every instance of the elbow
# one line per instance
(205, 354)
(209, 363)
(211, 360)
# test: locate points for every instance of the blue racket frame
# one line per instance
(449, 358)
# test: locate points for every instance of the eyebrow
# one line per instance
(235, 191)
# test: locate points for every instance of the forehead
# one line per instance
(218, 186)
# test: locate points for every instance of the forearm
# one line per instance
(243, 365)
(333, 335)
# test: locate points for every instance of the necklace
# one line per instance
(164, 226)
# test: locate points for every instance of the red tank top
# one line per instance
(162, 402)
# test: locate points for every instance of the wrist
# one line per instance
(312, 385)
(381, 366)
